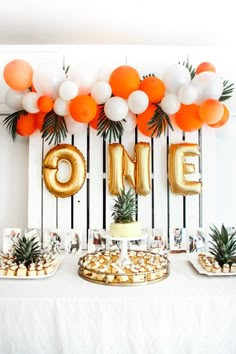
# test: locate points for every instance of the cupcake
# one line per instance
(226, 268)
(48, 268)
(216, 268)
(32, 270)
(11, 272)
(3, 269)
(39, 269)
(233, 268)
(21, 271)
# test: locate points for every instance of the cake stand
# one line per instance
(124, 257)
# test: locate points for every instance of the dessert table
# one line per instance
(187, 313)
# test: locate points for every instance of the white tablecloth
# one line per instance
(187, 313)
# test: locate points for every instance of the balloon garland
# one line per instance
(50, 99)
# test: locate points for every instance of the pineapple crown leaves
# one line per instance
(223, 245)
(54, 128)
(26, 250)
(159, 122)
(11, 122)
(109, 129)
(125, 207)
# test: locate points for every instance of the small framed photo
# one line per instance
(178, 240)
(197, 240)
(54, 240)
(96, 242)
(73, 241)
(158, 242)
(10, 236)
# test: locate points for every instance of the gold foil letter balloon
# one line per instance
(178, 168)
(136, 172)
(74, 158)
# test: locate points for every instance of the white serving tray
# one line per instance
(194, 261)
(59, 262)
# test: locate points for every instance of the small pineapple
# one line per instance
(26, 250)
(125, 207)
(223, 245)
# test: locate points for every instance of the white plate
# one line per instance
(194, 261)
(59, 261)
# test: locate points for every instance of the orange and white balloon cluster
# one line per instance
(123, 98)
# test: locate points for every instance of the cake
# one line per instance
(132, 229)
(124, 210)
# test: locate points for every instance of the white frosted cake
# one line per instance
(131, 229)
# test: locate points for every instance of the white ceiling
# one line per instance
(170, 22)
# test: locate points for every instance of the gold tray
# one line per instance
(116, 281)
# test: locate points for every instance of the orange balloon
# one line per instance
(18, 75)
(45, 104)
(211, 111)
(187, 118)
(26, 124)
(144, 118)
(83, 108)
(94, 123)
(124, 80)
(223, 120)
(205, 66)
(154, 88)
(39, 118)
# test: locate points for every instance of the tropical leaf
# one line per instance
(159, 122)
(54, 128)
(11, 121)
(109, 129)
(227, 91)
(190, 68)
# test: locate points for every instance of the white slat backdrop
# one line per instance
(91, 206)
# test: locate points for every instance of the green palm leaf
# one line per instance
(227, 91)
(159, 122)
(54, 128)
(11, 122)
(109, 129)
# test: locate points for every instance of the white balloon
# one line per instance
(30, 102)
(68, 90)
(187, 94)
(176, 76)
(101, 92)
(138, 101)
(14, 99)
(116, 108)
(170, 104)
(84, 75)
(47, 78)
(208, 85)
(61, 107)
(130, 122)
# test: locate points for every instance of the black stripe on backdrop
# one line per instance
(184, 198)
(103, 206)
(200, 171)
(72, 197)
(42, 182)
(152, 183)
(88, 181)
(167, 187)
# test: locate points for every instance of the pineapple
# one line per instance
(125, 207)
(223, 245)
(123, 214)
(26, 250)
